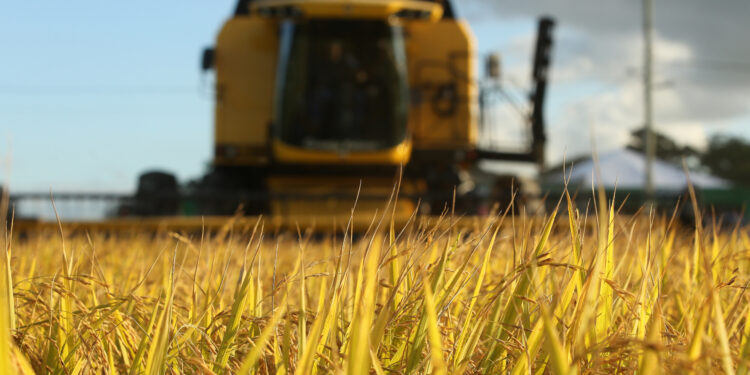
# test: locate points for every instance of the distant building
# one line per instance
(626, 170)
(622, 173)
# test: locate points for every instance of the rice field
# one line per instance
(575, 291)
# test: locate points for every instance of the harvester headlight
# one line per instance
(405, 13)
(282, 12)
(265, 12)
(231, 152)
(228, 152)
(414, 14)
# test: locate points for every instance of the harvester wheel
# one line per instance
(157, 194)
(224, 191)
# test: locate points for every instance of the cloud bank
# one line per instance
(701, 67)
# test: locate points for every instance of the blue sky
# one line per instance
(94, 92)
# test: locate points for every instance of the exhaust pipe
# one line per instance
(539, 74)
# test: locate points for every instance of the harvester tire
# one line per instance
(157, 194)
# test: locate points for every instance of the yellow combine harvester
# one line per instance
(320, 101)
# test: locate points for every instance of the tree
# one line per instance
(729, 158)
(666, 148)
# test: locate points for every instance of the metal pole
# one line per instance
(650, 141)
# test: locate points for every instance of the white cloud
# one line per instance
(597, 66)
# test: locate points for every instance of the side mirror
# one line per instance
(493, 66)
(207, 60)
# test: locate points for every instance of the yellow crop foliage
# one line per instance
(552, 294)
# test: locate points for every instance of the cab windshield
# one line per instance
(341, 85)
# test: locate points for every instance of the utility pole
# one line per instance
(649, 138)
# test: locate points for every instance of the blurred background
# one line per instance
(93, 93)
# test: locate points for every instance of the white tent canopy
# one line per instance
(626, 169)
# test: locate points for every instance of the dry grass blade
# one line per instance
(433, 333)
(721, 335)
(650, 359)
(744, 365)
(6, 366)
(259, 345)
(555, 349)
(156, 361)
(238, 308)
